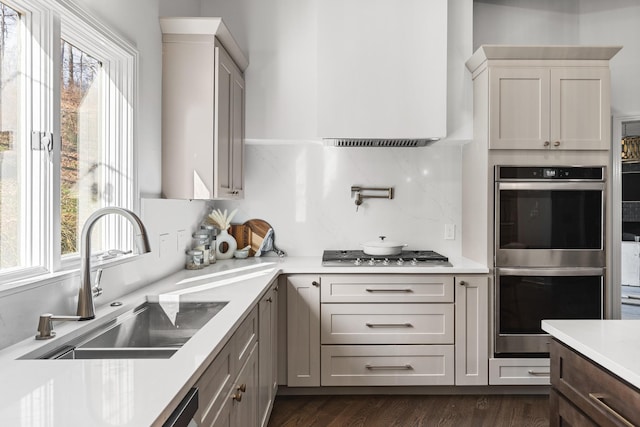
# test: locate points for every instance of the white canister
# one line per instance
(231, 244)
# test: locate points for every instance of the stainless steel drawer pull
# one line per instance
(389, 325)
(406, 367)
(599, 400)
(539, 373)
(401, 290)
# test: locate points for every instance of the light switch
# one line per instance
(164, 245)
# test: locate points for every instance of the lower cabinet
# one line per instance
(585, 394)
(238, 388)
(519, 371)
(387, 329)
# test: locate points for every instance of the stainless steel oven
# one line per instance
(549, 216)
(549, 252)
(526, 296)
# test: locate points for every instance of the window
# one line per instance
(67, 95)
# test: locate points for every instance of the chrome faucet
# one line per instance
(86, 308)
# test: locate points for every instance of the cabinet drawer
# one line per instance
(519, 371)
(564, 414)
(244, 338)
(214, 385)
(386, 288)
(387, 323)
(603, 397)
(383, 365)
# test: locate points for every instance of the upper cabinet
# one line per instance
(203, 104)
(543, 97)
(382, 69)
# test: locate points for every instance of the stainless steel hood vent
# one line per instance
(368, 142)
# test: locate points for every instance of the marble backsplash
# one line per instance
(303, 189)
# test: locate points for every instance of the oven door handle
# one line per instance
(560, 271)
(566, 186)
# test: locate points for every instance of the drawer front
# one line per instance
(387, 323)
(387, 365)
(564, 414)
(244, 338)
(519, 371)
(386, 288)
(601, 396)
(214, 385)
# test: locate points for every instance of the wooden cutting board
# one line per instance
(251, 233)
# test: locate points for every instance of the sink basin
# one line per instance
(152, 330)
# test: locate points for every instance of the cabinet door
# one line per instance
(472, 330)
(580, 110)
(223, 126)
(267, 342)
(245, 409)
(303, 331)
(237, 134)
(519, 108)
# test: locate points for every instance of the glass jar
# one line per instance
(201, 242)
(194, 259)
(212, 231)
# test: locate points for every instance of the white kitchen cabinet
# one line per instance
(519, 371)
(549, 108)
(303, 331)
(268, 352)
(203, 102)
(472, 330)
(230, 380)
(543, 97)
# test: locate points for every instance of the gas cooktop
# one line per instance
(341, 258)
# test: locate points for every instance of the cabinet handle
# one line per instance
(389, 325)
(316, 284)
(463, 283)
(403, 290)
(406, 367)
(539, 373)
(547, 143)
(242, 388)
(556, 144)
(237, 397)
(599, 400)
(275, 289)
(269, 299)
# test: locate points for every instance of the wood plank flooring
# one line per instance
(409, 411)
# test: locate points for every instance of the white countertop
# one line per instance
(612, 344)
(142, 392)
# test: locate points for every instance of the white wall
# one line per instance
(303, 191)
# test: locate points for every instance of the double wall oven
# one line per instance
(549, 252)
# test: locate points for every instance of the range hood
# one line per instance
(382, 72)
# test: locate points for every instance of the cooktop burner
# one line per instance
(340, 258)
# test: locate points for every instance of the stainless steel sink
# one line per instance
(152, 330)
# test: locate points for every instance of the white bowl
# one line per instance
(241, 254)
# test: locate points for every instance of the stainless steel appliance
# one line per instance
(550, 216)
(549, 252)
(354, 258)
(526, 296)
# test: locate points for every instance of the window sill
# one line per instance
(72, 270)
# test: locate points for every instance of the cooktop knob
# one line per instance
(372, 261)
(400, 261)
(358, 261)
(386, 261)
(414, 262)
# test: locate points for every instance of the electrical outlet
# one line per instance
(181, 240)
(164, 246)
(449, 232)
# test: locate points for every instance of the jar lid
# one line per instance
(195, 252)
(199, 235)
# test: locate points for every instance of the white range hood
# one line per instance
(382, 72)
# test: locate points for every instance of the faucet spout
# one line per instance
(86, 308)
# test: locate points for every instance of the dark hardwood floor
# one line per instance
(408, 411)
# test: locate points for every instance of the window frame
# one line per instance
(44, 23)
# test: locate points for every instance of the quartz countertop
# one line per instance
(612, 344)
(140, 392)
